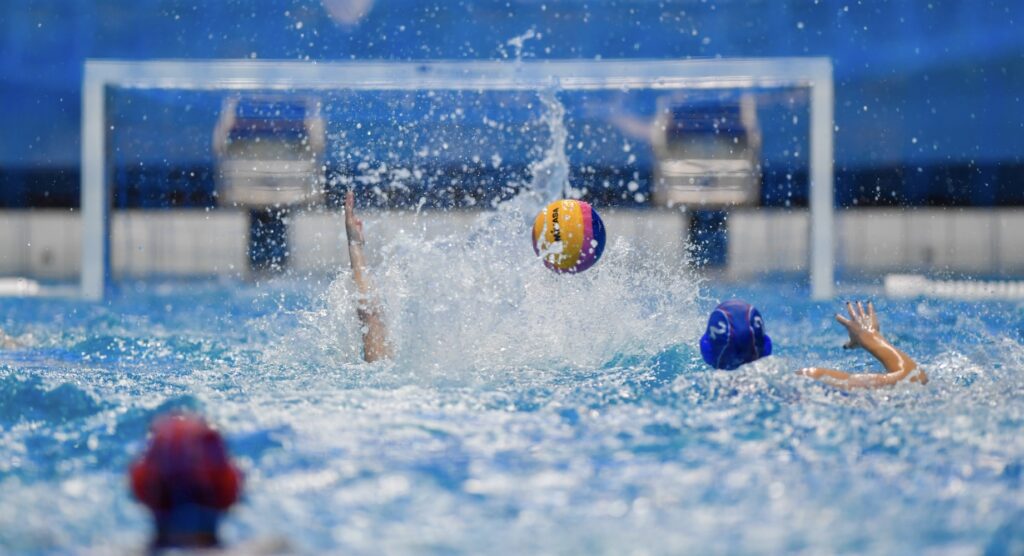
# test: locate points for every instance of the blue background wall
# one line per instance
(929, 93)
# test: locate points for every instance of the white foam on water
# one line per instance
(478, 298)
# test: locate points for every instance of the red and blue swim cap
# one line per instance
(735, 335)
(186, 463)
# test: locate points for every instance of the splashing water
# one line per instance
(519, 41)
(478, 299)
(550, 174)
(484, 301)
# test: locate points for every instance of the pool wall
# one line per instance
(45, 243)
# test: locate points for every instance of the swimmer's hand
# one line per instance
(862, 325)
(865, 333)
(353, 225)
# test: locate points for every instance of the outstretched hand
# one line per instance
(353, 225)
(866, 333)
(862, 325)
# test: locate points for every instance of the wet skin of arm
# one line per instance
(375, 332)
(865, 333)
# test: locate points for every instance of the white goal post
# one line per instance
(814, 74)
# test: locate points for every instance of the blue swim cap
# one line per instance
(735, 336)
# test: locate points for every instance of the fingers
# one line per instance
(353, 225)
(844, 321)
(858, 313)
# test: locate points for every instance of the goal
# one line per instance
(413, 90)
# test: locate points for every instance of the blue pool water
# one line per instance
(525, 413)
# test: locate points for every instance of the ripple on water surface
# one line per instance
(490, 433)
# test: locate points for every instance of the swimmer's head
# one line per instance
(735, 335)
(186, 479)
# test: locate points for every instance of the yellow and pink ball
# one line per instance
(569, 236)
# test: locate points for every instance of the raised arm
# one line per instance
(866, 333)
(375, 333)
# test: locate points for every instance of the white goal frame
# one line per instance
(814, 74)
